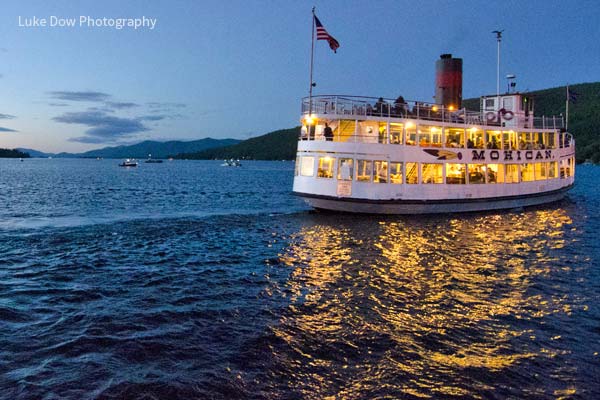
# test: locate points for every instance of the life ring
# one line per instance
(508, 115)
(490, 116)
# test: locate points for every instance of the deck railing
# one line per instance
(357, 106)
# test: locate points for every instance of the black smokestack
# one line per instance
(448, 81)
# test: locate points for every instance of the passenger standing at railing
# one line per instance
(400, 106)
(379, 106)
(328, 133)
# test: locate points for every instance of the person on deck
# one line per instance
(328, 133)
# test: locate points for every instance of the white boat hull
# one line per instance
(365, 206)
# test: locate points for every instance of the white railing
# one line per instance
(357, 106)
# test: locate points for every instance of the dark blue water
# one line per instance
(187, 280)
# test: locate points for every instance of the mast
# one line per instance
(499, 39)
(312, 52)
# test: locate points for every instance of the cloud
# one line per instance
(153, 117)
(79, 96)
(120, 105)
(58, 104)
(155, 104)
(7, 130)
(7, 116)
(102, 126)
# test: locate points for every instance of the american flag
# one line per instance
(323, 35)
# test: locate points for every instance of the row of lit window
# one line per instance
(434, 136)
(381, 171)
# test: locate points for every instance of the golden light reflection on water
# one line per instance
(413, 306)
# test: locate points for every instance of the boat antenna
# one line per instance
(499, 39)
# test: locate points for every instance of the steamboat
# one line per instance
(393, 156)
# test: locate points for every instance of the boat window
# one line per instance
(455, 137)
(307, 166)
(411, 134)
(304, 132)
(493, 172)
(432, 173)
(319, 131)
(412, 173)
(381, 172)
(507, 103)
(382, 132)
(527, 174)
(538, 140)
(498, 169)
(549, 140)
(396, 172)
(525, 141)
(566, 167)
(552, 170)
(345, 169)
(325, 167)
(343, 129)
(509, 140)
(494, 139)
(511, 173)
(541, 172)
(363, 170)
(489, 104)
(396, 131)
(430, 136)
(297, 166)
(475, 138)
(476, 173)
(456, 174)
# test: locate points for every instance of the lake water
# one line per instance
(188, 280)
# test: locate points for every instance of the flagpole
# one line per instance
(312, 52)
(567, 110)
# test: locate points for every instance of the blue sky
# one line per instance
(236, 69)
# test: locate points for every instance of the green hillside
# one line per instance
(8, 153)
(277, 145)
(584, 115)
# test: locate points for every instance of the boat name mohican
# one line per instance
(513, 155)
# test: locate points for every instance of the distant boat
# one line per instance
(231, 163)
(129, 163)
(153, 160)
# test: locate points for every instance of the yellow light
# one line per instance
(434, 108)
(451, 108)
(309, 119)
(410, 124)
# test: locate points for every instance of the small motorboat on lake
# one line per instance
(231, 163)
(151, 160)
(129, 163)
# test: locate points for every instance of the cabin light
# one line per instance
(434, 129)
(451, 108)
(309, 119)
(473, 129)
(410, 124)
(434, 108)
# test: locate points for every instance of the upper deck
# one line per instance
(496, 111)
